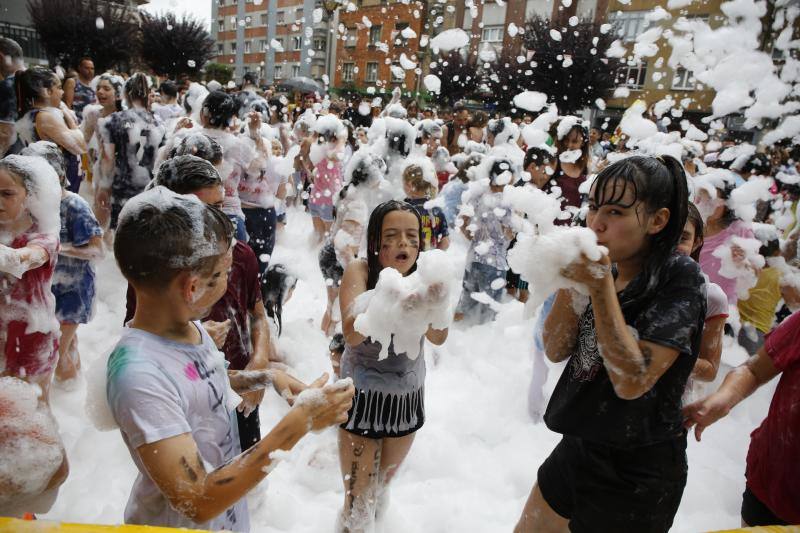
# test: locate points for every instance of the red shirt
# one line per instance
(29, 330)
(243, 292)
(773, 460)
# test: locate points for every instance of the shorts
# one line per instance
(378, 415)
(755, 513)
(599, 488)
(323, 211)
(74, 304)
(329, 266)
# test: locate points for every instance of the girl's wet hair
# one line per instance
(693, 216)
(397, 143)
(29, 85)
(561, 144)
(219, 107)
(50, 152)
(278, 281)
(137, 89)
(374, 232)
(656, 182)
(415, 177)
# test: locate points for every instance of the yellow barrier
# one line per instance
(763, 529)
(12, 525)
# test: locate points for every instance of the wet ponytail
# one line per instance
(137, 89)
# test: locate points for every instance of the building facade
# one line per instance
(275, 39)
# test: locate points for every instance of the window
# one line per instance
(247, 47)
(280, 17)
(398, 74)
(262, 45)
(278, 72)
(233, 48)
(375, 35)
(629, 24)
(221, 25)
(350, 38)
(399, 40)
(492, 34)
(297, 42)
(220, 49)
(633, 77)
(295, 70)
(263, 19)
(348, 71)
(280, 43)
(319, 44)
(298, 14)
(372, 72)
(248, 21)
(683, 80)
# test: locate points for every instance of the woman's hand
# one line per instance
(588, 272)
(184, 123)
(287, 386)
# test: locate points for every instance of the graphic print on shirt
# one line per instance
(586, 361)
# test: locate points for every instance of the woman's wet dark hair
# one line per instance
(374, 230)
(538, 156)
(693, 216)
(29, 85)
(200, 145)
(138, 90)
(657, 183)
(116, 84)
(219, 107)
(397, 143)
(186, 174)
(278, 281)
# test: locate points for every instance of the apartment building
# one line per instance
(276, 39)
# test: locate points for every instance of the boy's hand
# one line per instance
(184, 123)
(326, 405)
(218, 331)
(287, 386)
(705, 412)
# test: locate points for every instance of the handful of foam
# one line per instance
(744, 270)
(400, 309)
(539, 259)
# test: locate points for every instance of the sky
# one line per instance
(200, 9)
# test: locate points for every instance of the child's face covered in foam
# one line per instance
(12, 198)
(208, 289)
(399, 241)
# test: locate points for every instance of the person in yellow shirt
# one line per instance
(757, 312)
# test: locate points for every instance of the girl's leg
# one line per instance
(328, 325)
(538, 517)
(360, 460)
(319, 229)
(68, 361)
(393, 454)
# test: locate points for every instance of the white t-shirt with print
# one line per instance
(158, 389)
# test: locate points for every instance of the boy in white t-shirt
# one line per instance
(167, 384)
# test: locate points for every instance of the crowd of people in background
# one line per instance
(189, 184)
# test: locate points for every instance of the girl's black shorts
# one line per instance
(604, 489)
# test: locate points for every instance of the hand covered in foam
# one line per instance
(401, 309)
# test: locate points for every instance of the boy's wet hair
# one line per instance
(200, 145)
(219, 107)
(158, 242)
(693, 216)
(50, 152)
(374, 231)
(656, 182)
(29, 85)
(278, 281)
(186, 174)
(538, 156)
(770, 248)
(168, 88)
(337, 344)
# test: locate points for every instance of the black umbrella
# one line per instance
(303, 84)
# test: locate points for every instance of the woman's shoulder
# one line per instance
(683, 269)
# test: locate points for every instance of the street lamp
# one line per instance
(330, 7)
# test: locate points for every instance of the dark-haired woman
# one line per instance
(131, 139)
(389, 404)
(571, 167)
(621, 464)
(46, 118)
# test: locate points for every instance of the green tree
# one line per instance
(173, 47)
(218, 71)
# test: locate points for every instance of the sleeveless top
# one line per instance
(398, 374)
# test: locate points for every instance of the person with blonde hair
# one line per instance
(420, 190)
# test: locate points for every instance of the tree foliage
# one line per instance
(573, 71)
(172, 46)
(220, 72)
(459, 78)
(71, 29)
(504, 78)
